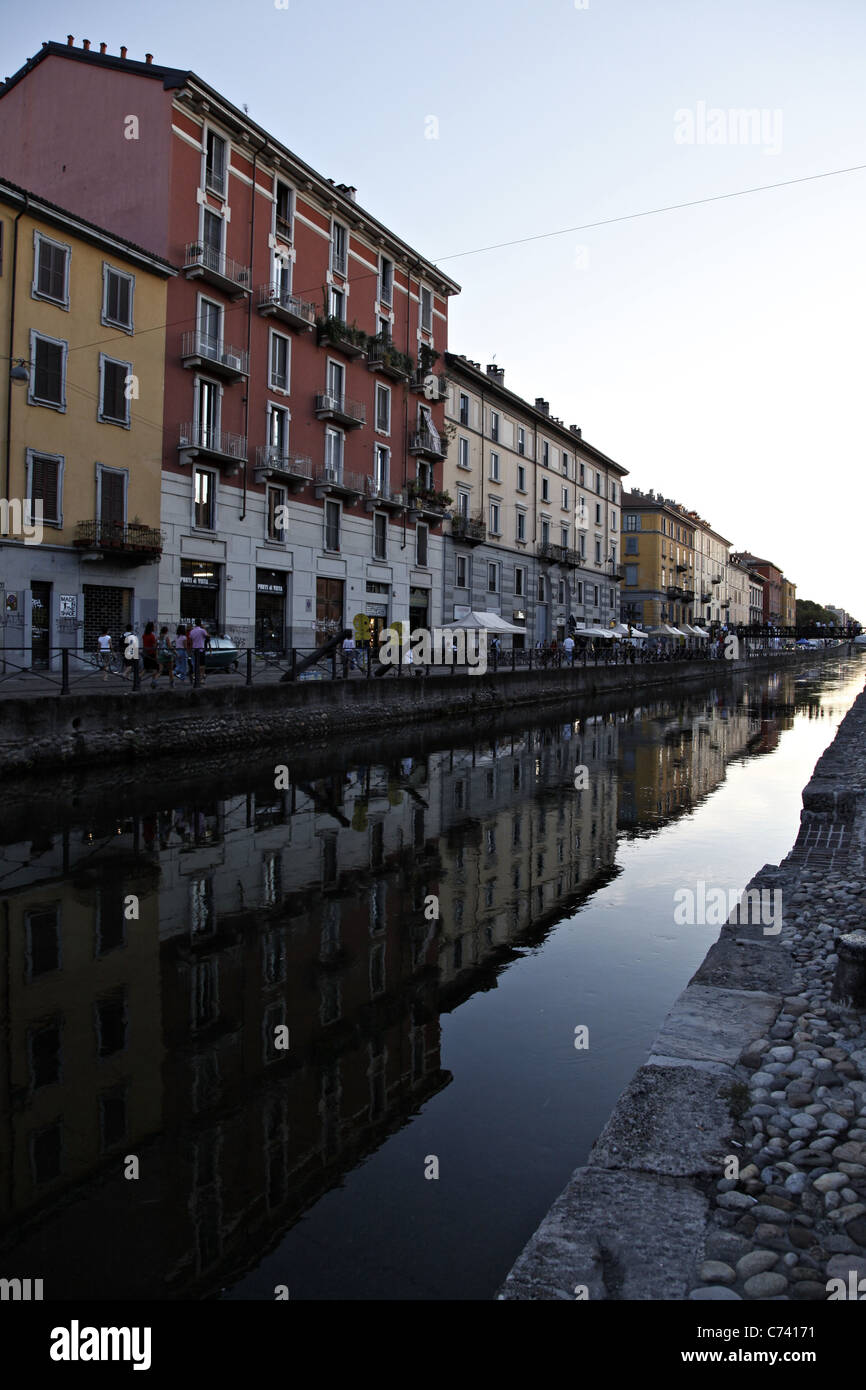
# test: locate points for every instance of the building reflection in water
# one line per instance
(150, 959)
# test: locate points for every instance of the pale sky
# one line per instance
(716, 351)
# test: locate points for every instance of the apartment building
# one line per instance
(737, 589)
(772, 609)
(659, 559)
(303, 417)
(789, 603)
(84, 311)
(534, 532)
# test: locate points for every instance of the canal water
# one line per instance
(306, 1021)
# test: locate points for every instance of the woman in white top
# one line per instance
(104, 652)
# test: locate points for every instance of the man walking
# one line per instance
(568, 647)
(198, 644)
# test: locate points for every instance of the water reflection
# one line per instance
(155, 1140)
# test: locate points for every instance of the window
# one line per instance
(117, 292)
(598, 483)
(278, 430)
(561, 592)
(565, 463)
(421, 534)
(598, 552)
(462, 453)
(215, 164)
(461, 573)
(494, 467)
(579, 595)
(339, 249)
(386, 281)
(598, 513)
(50, 270)
(613, 492)
(337, 303)
(279, 378)
(204, 498)
(380, 536)
(45, 1054)
(283, 210)
(111, 1024)
(111, 495)
(381, 467)
(43, 941)
(464, 408)
(521, 525)
(545, 532)
(383, 409)
(565, 497)
(519, 581)
(493, 578)
(276, 513)
(113, 404)
(45, 485)
(631, 522)
(494, 518)
(631, 545)
(333, 455)
(426, 309)
(613, 521)
(207, 413)
(563, 536)
(332, 525)
(540, 589)
(48, 379)
(494, 426)
(463, 503)
(521, 440)
(545, 490)
(545, 454)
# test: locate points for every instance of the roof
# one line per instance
(89, 231)
(490, 386)
(176, 79)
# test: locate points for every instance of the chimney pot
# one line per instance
(85, 44)
(148, 57)
(103, 47)
(123, 51)
(70, 40)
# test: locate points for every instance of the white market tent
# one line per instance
(623, 630)
(665, 630)
(699, 632)
(488, 622)
(594, 632)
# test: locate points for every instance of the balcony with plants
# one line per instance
(427, 503)
(343, 337)
(130, 544)
(384, 357)
(470, 529)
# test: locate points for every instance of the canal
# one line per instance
(306, 1020)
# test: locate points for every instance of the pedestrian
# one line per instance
(148, 648)
(164, 658)
(181, 658)
(130, 651)
(568, 648)
(348, 657)
(103, 646)
(197, 642)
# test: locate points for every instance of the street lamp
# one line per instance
(19, 370)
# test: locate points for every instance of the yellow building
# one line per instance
(658, 555)
(85, 312)
(789, 603)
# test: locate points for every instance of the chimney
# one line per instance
(148, 57)
(123, 52)
(348, 191)
(85, 44)
(575, 429)
(70, 40)
(542, 405)
(496, 373)
(103, 47)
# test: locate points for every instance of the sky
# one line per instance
(715, 351)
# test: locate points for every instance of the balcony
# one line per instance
(426, 504)
(432, 385)
(384, 357)
(273, 465)
(688, 595)
(343, 337)
(717, 579)
(423, 444)
(333, 480)
(545, 551)
(197, 440)
(379, 497)
(674, 591)
(341, 410)
(204, 263)
(286, 308)
(706, 596)
(112, 540)
(472, 530)
(221, 359)
(617, 573)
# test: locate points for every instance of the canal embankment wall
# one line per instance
(733, 1166)
(65, 731)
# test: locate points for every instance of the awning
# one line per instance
(487, 622)
(594, 632)
(665, 630)
(623, 630)
(699, 632)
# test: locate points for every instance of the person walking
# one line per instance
(198, 642)
(348, 656)
(181, 658)
(148, 647)
(103, 648)
(129, 643)
(164, 657)
(568, 648)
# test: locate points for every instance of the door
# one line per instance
(329, 609)
(41, 619)
(208, 415)
(112, 505)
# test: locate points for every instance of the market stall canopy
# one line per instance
(699, 632)
(623, 630)
(489, 622)
(594, 632)
(665, 630)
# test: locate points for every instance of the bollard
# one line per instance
(849, 984)
(64, 667)
(249, 665)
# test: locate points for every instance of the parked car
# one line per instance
(221, 655)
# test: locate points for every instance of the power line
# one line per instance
(653, 212)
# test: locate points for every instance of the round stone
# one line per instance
(716, 1272)
(713, 1292)
(756, 1262)
(829, 1182)
(765, 1285)
(735, 1201)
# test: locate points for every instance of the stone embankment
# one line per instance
(757, 1063)
(78, 730)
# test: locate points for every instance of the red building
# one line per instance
(303, 421)
(772, 587)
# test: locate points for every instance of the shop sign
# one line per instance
(68, 605)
